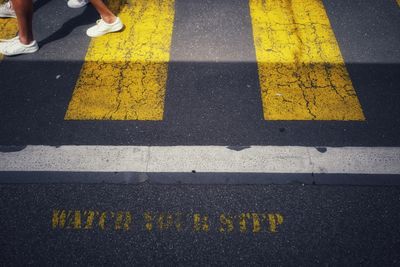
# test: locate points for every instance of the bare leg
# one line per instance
(24, 11)
(103, 10)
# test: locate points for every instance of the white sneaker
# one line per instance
(77, 3)
(102, 28)
(6, 10)
(13, 47)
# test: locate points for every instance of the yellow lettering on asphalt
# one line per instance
(165, 221)
(274, 220)
(59, 218)
(178, 221)
(123, 220)
(256, 222)
(226, 223)
(243, 221)
(89, 218)
(201, 223)
(66, 219)
(301, 70)
(148, 217)
(8, 29)
(162, 221)
(124, 75)
(77, 222)
(103, 219)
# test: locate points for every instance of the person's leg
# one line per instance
(104, 11)
(24, 42)
(108, 23)
(24, 11)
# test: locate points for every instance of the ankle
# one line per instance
(109, 19)
(25, 41)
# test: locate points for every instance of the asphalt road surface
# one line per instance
(229, 132)
(321, 225)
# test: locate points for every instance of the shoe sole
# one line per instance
(23, 53)
(20, 54)
(8, 16)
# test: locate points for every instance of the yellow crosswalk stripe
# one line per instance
(8, 29)
(301, 69)
(124, 75)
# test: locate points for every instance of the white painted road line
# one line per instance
(155, 159)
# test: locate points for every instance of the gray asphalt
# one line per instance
(213, 94)
(323, 225)
(211, 100)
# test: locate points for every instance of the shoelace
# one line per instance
(101, 23)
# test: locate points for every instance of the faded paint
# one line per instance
(124, 75)
(148, 217)
(90, 216)
(226, 223)
(301, 70)
(8, 29)
(165, 221)
(123, 220)
(201, 223)
(274, 221)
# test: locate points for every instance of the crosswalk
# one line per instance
(301, 70)
(204, 119)
(302, 73)
(124, 75)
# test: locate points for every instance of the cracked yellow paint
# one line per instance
(124, 75)
(301, 69)
(8, 29)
